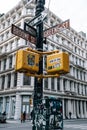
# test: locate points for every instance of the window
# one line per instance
(27, 80)
(6, 47)
(64, 83)
(70, 85)
(78, 88)
(85, 90)
(4, 66)
(11, 45)
(83, 107)
(82, 89)
(83, 64)
(15, 79)
(0, 49)
(19, 14)
(3, 25)
(84, 76)
(75, 49)
(52, 84)
(8, 22)
(51, 23)
(81, 75)
(2, 37)
(79, 106)
(17, 42)
(0, 65)
(14, 18)
(7, 34)
(3, 82)
(77, 74)
(9, 81)
(45, 83)
(76, 60)
(10, 62)
(46, 20)
(58, 83)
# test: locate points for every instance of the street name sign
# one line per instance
(55, 29)
(23, 34)
(37, 20)
(29, 33)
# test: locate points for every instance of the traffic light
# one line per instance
(58, 63)
(27, 61)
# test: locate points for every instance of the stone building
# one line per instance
(16, 89)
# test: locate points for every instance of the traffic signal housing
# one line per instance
(58, 63)
(31, 101)
(27, 61)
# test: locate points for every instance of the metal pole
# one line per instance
(38, 85)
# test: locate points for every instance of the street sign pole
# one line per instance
(38, 85)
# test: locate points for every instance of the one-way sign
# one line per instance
(31, 30)
(38, 19)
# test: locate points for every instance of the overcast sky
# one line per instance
(75, 10)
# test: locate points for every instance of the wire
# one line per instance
(49, 4)
(48, 8)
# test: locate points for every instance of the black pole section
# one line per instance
(38, 85)
(39, 47)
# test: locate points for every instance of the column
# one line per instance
(67, 108)
(83, 89)
(81, 110)
(19, 80)
(55, 83)
(22, 41)
(4, 104)
(32, 81)
(76, 88)
(85, 76)
(23, 11)
(12, 80)
(0, 83)
(74, 109)
(63, 109)
(82, 76)
(80, 88)
(85, 113)
(72, 87)
(72, 71)
(75, 73)
(49, 83)
(60, 40)
(78, 74)
(7, 65)
(10, 107)
(67, 86)
(2, 64)
(18, 107)
(61, 85)
(77, 103)
(14, 60)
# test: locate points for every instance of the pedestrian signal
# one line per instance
(31, 101)
(58, 63)
(27, 61)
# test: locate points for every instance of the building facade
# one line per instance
(16, 89)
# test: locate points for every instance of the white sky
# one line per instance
(75, 10)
